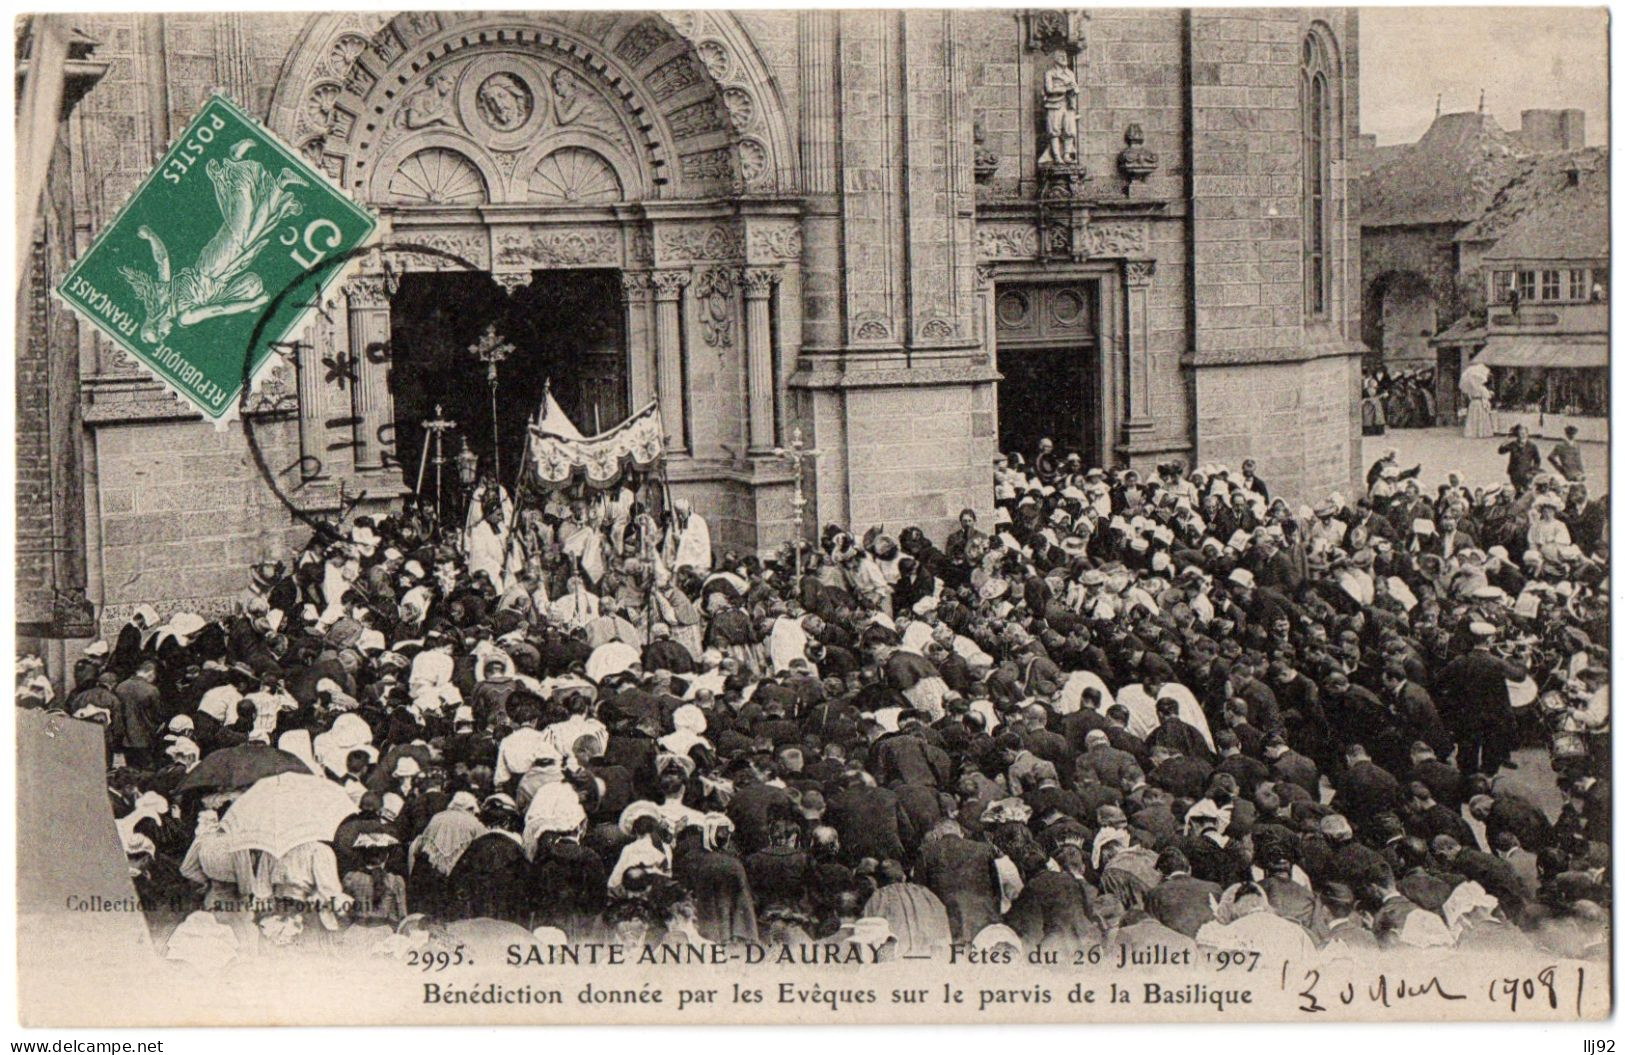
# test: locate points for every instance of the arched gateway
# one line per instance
(619, 184)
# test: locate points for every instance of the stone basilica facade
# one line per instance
(914, 237)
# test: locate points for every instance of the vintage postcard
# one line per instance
(812, 516)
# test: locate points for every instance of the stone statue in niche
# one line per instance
(429, 105)
(504, 102)
(986, 159)
(1135, 161)
(1060, 98)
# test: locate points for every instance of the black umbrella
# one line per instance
(232, 768)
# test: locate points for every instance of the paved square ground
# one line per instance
(1445, 450)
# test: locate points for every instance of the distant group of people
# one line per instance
(1164, 708)
(1402, 400)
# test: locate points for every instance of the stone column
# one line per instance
(758, 283)
(313, 401)
(668, 290)
(366, 371)
(1137, 276)
(636, 293)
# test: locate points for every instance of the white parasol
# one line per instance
(611, 658)
(285, 811)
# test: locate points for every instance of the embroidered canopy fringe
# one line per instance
(560, 455)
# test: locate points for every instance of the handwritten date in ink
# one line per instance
(1544, 990)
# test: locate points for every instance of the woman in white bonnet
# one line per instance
(690, 724)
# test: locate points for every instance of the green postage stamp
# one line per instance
(219, 255)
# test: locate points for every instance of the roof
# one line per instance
(1469, 329)
(1449, 176)
(1371, 158)
(1542, 215)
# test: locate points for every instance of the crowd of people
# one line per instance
(1112, 709)
(1401, 400)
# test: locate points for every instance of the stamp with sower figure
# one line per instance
(186, 278)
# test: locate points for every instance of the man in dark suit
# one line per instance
(1473, 701)
(1263, 709)
(1250, 480)
(1415, 716)
(1178, 775)
(1248, 772)
(870, 820)
(904, 757)
(1252, 739)
(1355, 713)
(1289, 766)
(1496, 876)
(1037, 737)
(1181, 901)
(1509, 813)
(1077, 726)
(759, 798)
(1448, 538)
(1091, 795)
(1365, 789)
(1276, 568)
(1389, 919)
(1175, 733)
(1218, 864)
(962, 873)
(1442, 779)
(1425, 817)
(1120, 737)
(1523, 457)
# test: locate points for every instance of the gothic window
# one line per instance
(1320, 131)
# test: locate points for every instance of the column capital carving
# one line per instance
(636, 285)
(1139, 272)
(368, 290)
(984, 276)
(668, 284)
(759, 281)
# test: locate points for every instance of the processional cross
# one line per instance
(491, 349)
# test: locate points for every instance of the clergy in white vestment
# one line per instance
(786, 641)
(693, 538)
(576, 607)
(488, 545)
(1142, 708)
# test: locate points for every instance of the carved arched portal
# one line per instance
(524, 142)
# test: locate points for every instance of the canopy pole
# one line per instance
(513, 516)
